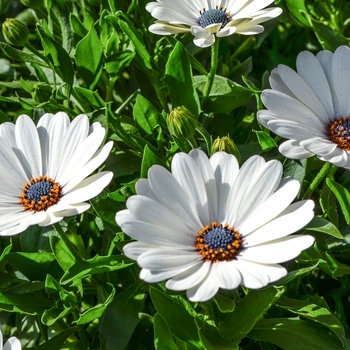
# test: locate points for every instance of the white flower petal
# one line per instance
(187, 174)
(292, 219)
(292, 149)
(226, 170)
(272, 206)
(207, 174)
(27, 140)
(341, 77)
(278, 251)
(169, 258)
(88, 188)
(226, 275)
(134, 249)
(319, 146)
(189, 278)
(12, 344)
(152, 234)
(158, 276)
(172, 196)
(203, 291)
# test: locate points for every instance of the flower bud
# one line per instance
(15, 32)
(42, 92)
(181, 123)
(227, 145)
(34, 4)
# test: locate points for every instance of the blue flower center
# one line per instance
(218, 242)
(40, 194)
(339, 133)
(213, 16)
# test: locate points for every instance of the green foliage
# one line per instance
(70, 286)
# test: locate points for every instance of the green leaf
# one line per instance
(149, 159)
(178, 77)
(56, 343)
(96, 265)
(96, 311)
(296, 273)
(91, 97)
(343, 197)
(163, 338)
(319, 224)
(299, 11)
(145, 115)
(20, 55)
(248, 311)
(59, 58)
(225, 95)
(121, 318)
(329, 38)
(62, 254)
(29, 303)
(265, 140)
(179, 321)
(116, 63)
(293, 333)
(131, 32)
(324, 261)
(314, 312)
(295, 168)
(88, 58)
(35, 266)
(62, 13)
(105, 208)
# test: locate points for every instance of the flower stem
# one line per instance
(212, 72)
(67, 242)
(318, 179)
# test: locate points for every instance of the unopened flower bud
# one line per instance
(227, 145)
(33, 3)
(181, 123)
(15, 32)
(42, 92)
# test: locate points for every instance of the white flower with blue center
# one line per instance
(12, 343)
(206, 19)
(45, 169)
(311, 107)
(209, 224)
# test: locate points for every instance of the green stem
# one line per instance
(212, 72)
(67, 242)
(318, 179)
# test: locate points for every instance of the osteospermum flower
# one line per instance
(210, 225)
(45, 169)
(207, 18)
(12, 343)
(311, 107)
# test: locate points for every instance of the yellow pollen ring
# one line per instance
(223, 254)
(45, 201)
(338, 134)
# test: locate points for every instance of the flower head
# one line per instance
(207, 18)
(311, 107)
(12, 343)
(45, 169)
(210, 225)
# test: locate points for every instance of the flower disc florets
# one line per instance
(218, 242)
(213, 16)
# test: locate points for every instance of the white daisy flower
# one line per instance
(45, 169)
(210, 225)
(207, 18)
(12, 344)
(311, 108)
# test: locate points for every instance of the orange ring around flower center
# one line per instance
(40, 193)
